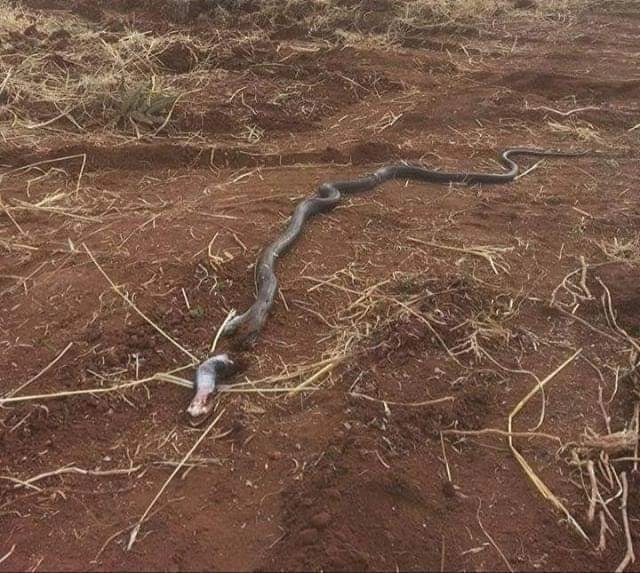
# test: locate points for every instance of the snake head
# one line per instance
(205, 384)
(200, 405)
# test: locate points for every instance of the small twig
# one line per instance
(543, 396)
(445, 460)
(196, 462)
(540, 485)
(136, 528)
(603, 409)
(488, 253)
(493, 543)
(595, 493)
(160, 377)
(636, 415)
(186, 299)
(21, 482)
(34, 378)
(614, 443)
(527, 171)
(6, 80)
(135, 308)
(11, 217)
(630, 556)
(298, 372)
(44, 162)
(8, 554)
(408, 404)
(324, 370)
(73, 470)
(596, 496)
(71, 118)
(52, 120)
(104, 545)
(433, 331)
(602, 543)
(583, 278)
(168, 118)
(9, 245)
(55, 210)
(562, 113)
(138, 228)
(381, 460)
(232, 389)
(503, 433)
(214, 344)
(585, 323)
(607, 302)
(576, 294)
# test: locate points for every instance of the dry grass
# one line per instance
(621, 250)
(383, 24)
(479, 323)
(581, 131)
(136, 528)
(539, 484)
(61, 72)
(462, 317)
(418, 14)
(105, 80)
(59, 68)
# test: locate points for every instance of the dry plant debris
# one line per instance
(145, 158)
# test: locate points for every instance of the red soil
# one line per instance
(328, 480)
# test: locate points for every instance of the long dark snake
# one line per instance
(328, 195)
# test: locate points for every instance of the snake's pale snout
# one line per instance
(196, 409)
(200, 405)
(205, 384)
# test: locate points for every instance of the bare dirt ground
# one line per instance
(170, 141)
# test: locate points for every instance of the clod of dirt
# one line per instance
(31, 31)
(449, 489)
(115, 25)
(59, 39)
(308, 536)
(89, 11)
(525, 4)
(184, 10)
(347, 559)
(178, 57)
(93, 333)
(376, 5)
(373, 151)
(321, 520)
(625, 294)
(210, 121)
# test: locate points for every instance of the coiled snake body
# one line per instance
(328, 195)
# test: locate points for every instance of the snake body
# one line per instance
(250, 323)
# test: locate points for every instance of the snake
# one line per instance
(328, 195)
